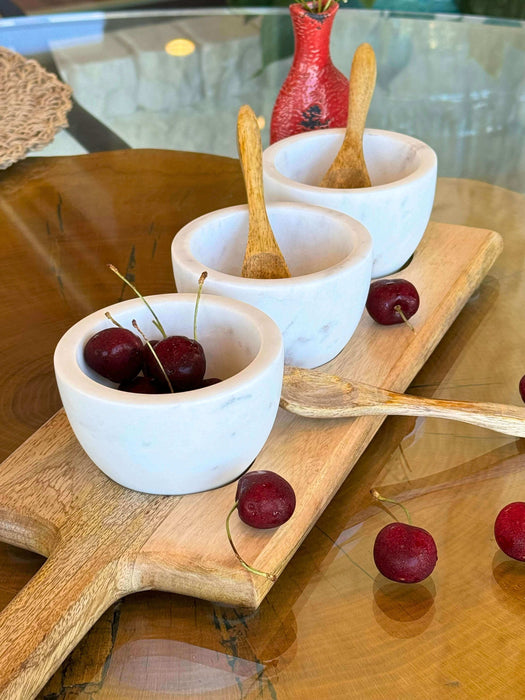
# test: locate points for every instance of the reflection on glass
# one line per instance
(179, 47)
(455, 82)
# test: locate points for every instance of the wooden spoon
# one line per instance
(349, 168)
(315, 394)
(263, 258)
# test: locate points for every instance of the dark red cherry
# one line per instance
(389, 300)
(210, 381)
(142, 385)
(509, 530)
(147, 351)
(115, 353)
(264, 499)
(405, 553)
(183, 361)
(522, 388)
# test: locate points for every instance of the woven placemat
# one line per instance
(33, 106)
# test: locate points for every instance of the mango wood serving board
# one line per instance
(104, 541)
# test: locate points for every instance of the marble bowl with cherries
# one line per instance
(329, 256)
(395, 209)
(177, 443)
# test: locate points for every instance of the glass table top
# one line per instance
(456, 82)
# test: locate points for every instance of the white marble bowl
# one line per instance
(329, 256)
(185, 442)
(395, 209)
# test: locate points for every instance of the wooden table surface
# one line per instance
(332, 626)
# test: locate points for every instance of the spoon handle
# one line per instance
(349, 168)
(360, 91)
(250, 154)
(262, 257)
(317, 395)
(498, 417)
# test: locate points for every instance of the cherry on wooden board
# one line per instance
(392, 301)
(264, 500)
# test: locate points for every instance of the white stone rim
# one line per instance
(69, 372)
(362, 246)
(428, 162)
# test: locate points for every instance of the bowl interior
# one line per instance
(231, 338)
(388, 156)
(311, 239)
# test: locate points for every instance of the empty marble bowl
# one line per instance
(184, 442)
(329, 256)
(395, 209)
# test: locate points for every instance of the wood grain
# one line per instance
(104, 541)
(330, 621)
(61, 221)
(331, 625)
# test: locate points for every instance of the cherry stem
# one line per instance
(201, 283)
(156, 321)
(399, 310)
(271, 577)
(110, 317)
(375, 494)
(150, 346)
(311, 5)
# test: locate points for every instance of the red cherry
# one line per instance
(183, 360)
(147, 352)
(509, 530)
(405, 553)
(115, 353)
(264, 499)
(392, 299)
(210, 381)
(522, 388)
(142, 385)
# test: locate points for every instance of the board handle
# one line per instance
(51, 614)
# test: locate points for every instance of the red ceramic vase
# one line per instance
(314, 94)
